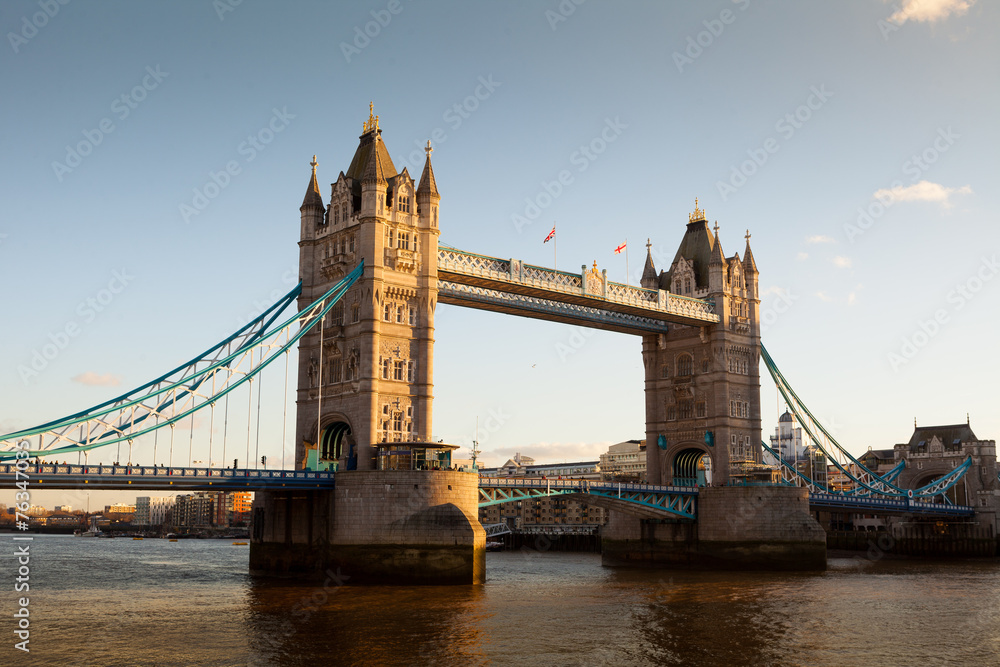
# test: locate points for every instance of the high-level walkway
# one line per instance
(586, 298)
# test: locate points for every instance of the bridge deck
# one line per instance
(67, 476)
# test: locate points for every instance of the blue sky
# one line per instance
(856, 141)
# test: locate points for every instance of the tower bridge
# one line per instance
(372, 274)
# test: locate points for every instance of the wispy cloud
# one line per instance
(93, 379)
(928, 11)
(842, 262)
(922, 191)
(550, 452)
(774, 289)
(802, 256)
(819, 238)
(824, 297)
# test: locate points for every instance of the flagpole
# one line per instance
(626, 261)
(555, 248)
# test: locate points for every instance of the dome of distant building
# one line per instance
(787, 417)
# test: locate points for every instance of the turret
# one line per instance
(750, 271)
(716, 266)
(373, 182)
(428, 198)
(649, 278)
(312, 209)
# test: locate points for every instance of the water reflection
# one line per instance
(294, 624)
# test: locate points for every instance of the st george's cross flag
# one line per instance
(619, 249)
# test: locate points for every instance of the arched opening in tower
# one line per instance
(692, 467)
(956, 494)
(335, 444)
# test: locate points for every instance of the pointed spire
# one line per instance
(717, 256)
(649, 278)
(427, 182)
(313, 196)
(374, 171)
(750, 266)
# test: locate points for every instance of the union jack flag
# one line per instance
(551, 235)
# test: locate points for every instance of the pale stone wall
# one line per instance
(376, 526)
(740, 528)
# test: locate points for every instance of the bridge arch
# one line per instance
(691, 466)
(956, 494)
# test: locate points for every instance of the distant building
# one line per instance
(192, 510)
(553, 514)
(61, 518)
(625, 462)
(152, 510)
(788, 438)
(230, 508)
(879, 461)
(64, 508)
(934, 451)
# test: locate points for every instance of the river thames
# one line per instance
(154, 602)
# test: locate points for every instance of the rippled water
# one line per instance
(154, 602)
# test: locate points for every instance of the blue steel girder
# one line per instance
(137, 477)
(680, 502)
(869, 505)
(494, 496)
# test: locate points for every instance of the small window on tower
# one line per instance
(684, 363)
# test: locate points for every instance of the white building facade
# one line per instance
(152, 510)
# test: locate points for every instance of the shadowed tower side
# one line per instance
(703, 383)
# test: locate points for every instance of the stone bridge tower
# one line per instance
(371, 379)
(703, 383)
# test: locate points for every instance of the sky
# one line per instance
(155, 156)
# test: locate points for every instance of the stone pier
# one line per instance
(399, 527)
(738, 528)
